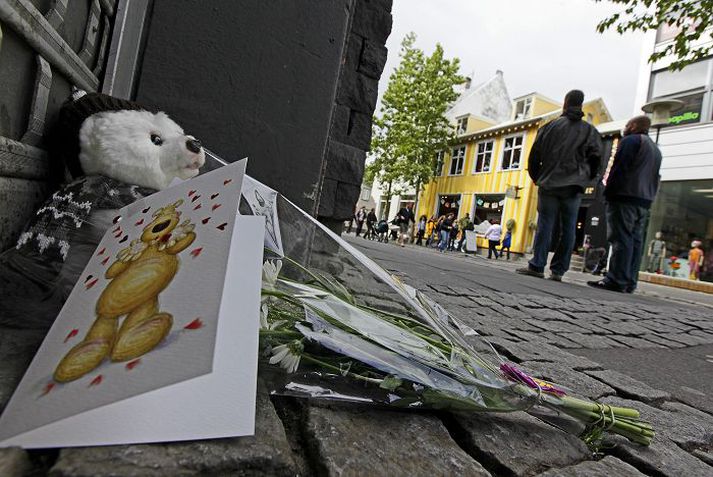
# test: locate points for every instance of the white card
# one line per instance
(190, 376)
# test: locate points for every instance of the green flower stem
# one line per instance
(574, 403)
(318, 362)
(285, 333)
(619, 425)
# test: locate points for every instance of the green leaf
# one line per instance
(390, 383)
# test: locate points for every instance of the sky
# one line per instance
(548, 46)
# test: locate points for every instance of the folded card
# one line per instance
(158, 339)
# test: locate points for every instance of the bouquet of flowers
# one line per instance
(334, 325)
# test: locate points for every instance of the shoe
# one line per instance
(605, 285)
(530, 272)
(555, 277)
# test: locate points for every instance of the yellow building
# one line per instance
(485, 172)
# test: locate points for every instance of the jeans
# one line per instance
(492, 248)
(553, 205)
(445, 236)
(626, 225)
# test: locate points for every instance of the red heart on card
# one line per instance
(205, 221)
(49, 387)
(196, 252)
(213, 196)
(116, 219)
(139, 222)
(105, 260)
(195, 198)
(71, 334)
(101, 252)
(197, 206)
(215, 206)
(146, 210)
(194, 325)
(227, 181)
(96, 381)
(132, 364)
(126, 237)
(91, 284)
(191, 192)
(222, 226)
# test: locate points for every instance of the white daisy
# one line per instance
(270, 272)
(287, 356)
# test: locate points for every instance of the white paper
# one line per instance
(200, 381)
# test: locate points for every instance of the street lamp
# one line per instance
(660, 110)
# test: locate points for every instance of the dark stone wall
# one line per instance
(357, 91)
(291, 85)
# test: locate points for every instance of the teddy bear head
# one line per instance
(164, 222)
(99, 134)
(138, 147)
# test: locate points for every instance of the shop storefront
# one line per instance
(682, 213)
(448, 204)
(488, 207)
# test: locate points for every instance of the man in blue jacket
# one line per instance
(565, 159)
(630, 189)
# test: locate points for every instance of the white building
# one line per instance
(488, 102)
(683, 210)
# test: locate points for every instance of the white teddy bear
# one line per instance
(118, 153)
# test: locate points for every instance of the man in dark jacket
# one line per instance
(565, 159)
(403, 218)
(630, 189)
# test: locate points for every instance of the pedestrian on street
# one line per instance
(360, 218)
(452, 236)
(630, 190)
(370, 225)
(403, 219)
(445, 232)
(493, 236)
(430, 230)
(464, 224)
(421, 230)
(506, 244)
(565, 159)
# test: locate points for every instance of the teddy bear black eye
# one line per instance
(156, 139)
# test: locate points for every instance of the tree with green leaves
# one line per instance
(412, 127)
(692, 20)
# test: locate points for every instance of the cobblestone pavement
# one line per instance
(584, 339)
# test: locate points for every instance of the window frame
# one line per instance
(706, 113)
(484, 142)
(461, 125)
(440, 163)
(522, 135)
(526, 109)
(462, 164)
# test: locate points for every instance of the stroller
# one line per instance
(382, 229)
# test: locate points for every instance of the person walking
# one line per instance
(492, 235)
(421, 230)
(403, 218)
(507, 241)
(370, 225)
(630, 190)
(360, 218)
(430, 230)
(464, 224)
(565, 159)
(445, 232)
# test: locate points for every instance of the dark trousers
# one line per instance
(553, 205)
(360, 224)
(502, 250)
(627, 226)
(419, 239)
(492, 248)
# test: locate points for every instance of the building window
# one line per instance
(365, 193)
(488, 207)
(512, 152)
(439, 164)
(692, 77)
(448, 204)
(462, 125)
(457, 161)
(522, 108)
(483, 157)
(690, 112)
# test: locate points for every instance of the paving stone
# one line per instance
(705, 337)
(14, 462)
(661, 458)
(512, 443)
(607, 467)
(554, 340)
(353, 440)
(629, 387)
(268, 452)
(528, 351)
(694, 398)
(593, 341)
(625, 328)
(706, 457)
(662, 340)
(637, 343)
(683, 425)
(688, 339)
(556, 326)
(578, 383)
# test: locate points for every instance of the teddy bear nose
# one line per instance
(193, 145)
